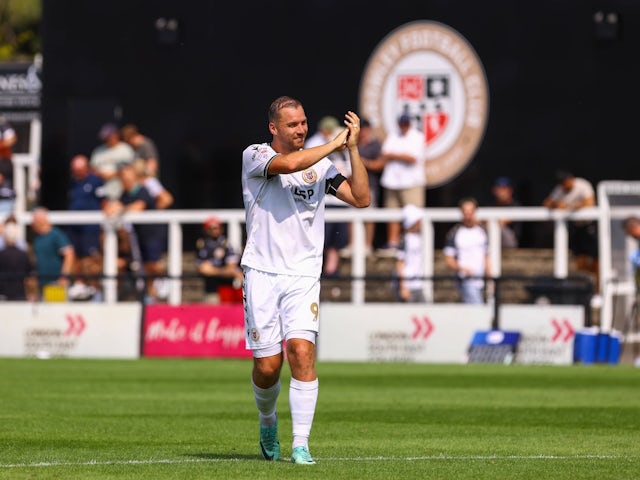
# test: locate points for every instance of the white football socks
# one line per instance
(302, 401)
(266, 402)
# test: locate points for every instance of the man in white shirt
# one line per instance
(574, 193)
(403, 178)
(109, 156)
(410, 261)
(466, 252)
(284, 187)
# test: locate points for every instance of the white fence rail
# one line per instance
(234, 218)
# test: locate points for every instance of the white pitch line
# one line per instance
(326, 459)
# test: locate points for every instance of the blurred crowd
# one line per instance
(65, 262)
(122, 174)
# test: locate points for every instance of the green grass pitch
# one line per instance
(196, 419)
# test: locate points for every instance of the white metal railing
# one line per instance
(26, 178)
(234, 218)
(26, 167)
(614, 282)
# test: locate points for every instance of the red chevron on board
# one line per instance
(562, 330)
(76, 325)
(424, 328)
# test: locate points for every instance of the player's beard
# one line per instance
(297, 142)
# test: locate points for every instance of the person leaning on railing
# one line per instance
(631, 226)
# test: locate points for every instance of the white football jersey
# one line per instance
(284, 214)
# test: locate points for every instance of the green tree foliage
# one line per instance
(19, 29)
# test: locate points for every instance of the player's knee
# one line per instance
(300, 350)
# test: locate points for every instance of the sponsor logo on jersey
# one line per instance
(427, 70)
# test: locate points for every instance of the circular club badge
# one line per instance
(430, 72)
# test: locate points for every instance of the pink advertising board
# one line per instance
(194, 331)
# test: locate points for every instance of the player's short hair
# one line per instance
(280, 103)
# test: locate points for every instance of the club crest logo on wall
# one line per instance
(430, 72)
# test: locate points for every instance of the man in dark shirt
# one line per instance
(86, 192)
(503, 196)
(218, 262)
(53, 252)
(15, 267)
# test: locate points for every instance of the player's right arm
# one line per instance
(305, 158)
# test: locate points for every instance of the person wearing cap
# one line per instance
(573, 193)
(403, 178)
(503, 196)
(107, 157)
(466, 252)
(410, 260)
(217, 260)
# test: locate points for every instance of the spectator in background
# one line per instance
(631, 227)
(150, 238)
(370, 152)
(466, 252)
(8, 139)
(503, 196)
(336, 234)
(162, 196)
(20, 241)
(53, 251)
(15, 267)
(410, 262)
(573, 193)
(107, 158)
(403, 178)
(144, 148)
(7, 195)
(217, 261)
(86, 193)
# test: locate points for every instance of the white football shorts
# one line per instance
(278, 307)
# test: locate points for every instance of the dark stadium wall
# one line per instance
(563, 93)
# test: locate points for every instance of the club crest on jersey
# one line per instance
(309, 175)
(428, 71)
